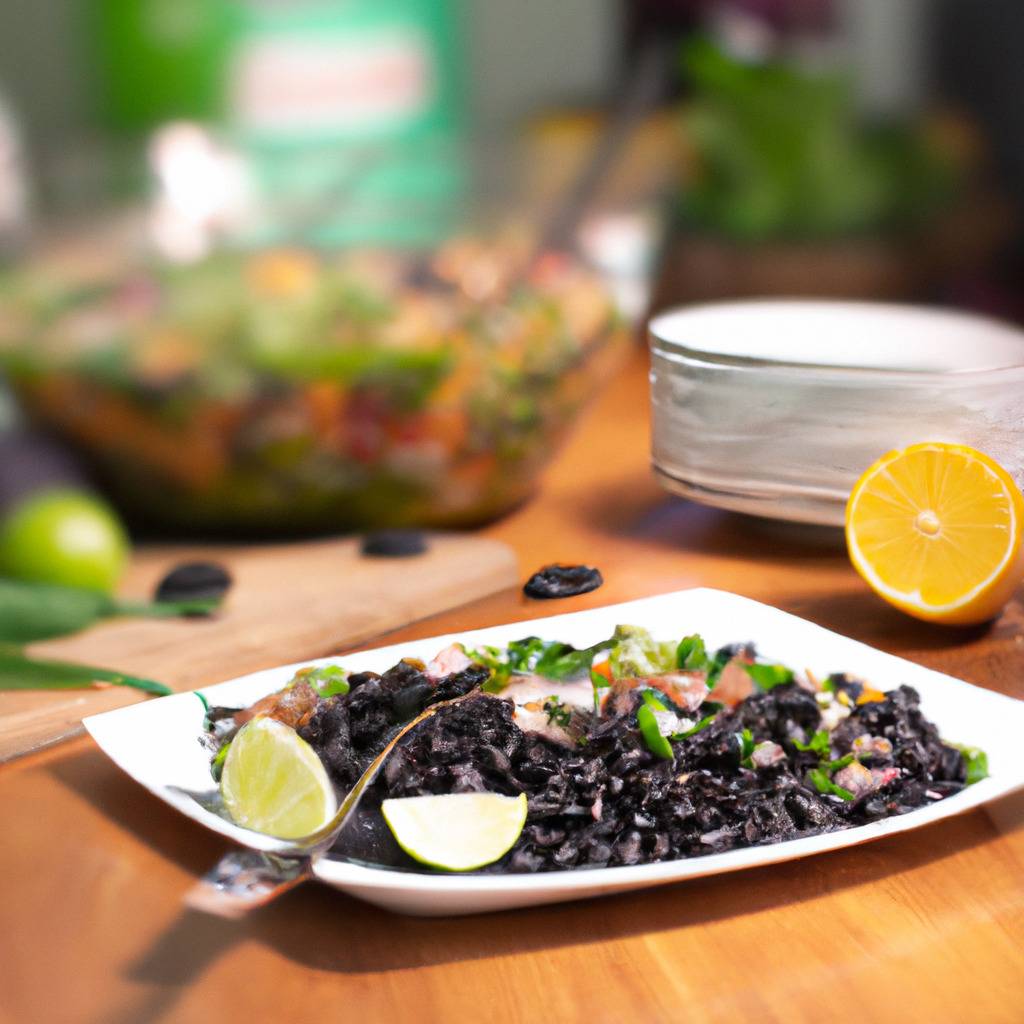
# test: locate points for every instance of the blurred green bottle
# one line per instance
(348, 113)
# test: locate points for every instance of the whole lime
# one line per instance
(63, 536)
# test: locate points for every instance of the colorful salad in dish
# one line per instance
(290, 390)
(631, 751)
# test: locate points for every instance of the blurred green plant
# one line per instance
(782, 152)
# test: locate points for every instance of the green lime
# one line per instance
(457, 832)
(67, 537)
(273, 782)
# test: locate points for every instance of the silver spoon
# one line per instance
(245, 879)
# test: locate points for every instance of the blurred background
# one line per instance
(321, 264)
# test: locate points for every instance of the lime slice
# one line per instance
(273, 782)
(458, 832)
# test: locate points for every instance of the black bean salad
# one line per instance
(630, 751)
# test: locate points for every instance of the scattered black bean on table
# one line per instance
(563, 581)
(194, 581)
(393, 543)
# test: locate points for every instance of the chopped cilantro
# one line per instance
(327, 680)
(691, 655)
(823, 784)
(746, 743)
(563, 661)
(496, 660)
(834, 766)
(702, 724)
(767, 677)
(558, 713)
(820, 744)
(523, 655)
(599, 682)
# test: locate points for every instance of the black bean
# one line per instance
(627, 850)
(393, 543)
(563, 581)
(411, 700)
(194, 581)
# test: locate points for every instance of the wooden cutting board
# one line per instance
(289, 602)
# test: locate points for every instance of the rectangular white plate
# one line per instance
(157, 744)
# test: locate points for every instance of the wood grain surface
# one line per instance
(288, 602)
(927, 926)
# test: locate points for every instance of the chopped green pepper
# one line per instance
(217, 765)
(599, 682)
(746, 743)
(702, 724)
(976, 760)
(823, 784)
(820, 744)
(328, 680)
(650, 729)
(691, 654)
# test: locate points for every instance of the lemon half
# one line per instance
(935, 529)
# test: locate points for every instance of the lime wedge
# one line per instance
(273, 782)
(457, 832)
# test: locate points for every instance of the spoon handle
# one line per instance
(244, 880)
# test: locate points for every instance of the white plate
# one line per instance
(776, 407)
(157, 744)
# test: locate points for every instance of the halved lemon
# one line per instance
(935, 529)
(273, 782)
(458, 831)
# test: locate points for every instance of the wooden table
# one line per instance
(921, 927)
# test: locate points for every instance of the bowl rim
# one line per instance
(657, 337)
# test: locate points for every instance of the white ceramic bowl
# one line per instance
(776, 407)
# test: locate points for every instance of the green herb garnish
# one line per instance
(746, 743)
(823, 784)
(551, 659)
(702, 724)
(691, 654)
(494, 659)
(558, 712)
(767, 677)
(327, 680)
(820, 744)
(841, 762)
(599, 683)
(563, 661)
